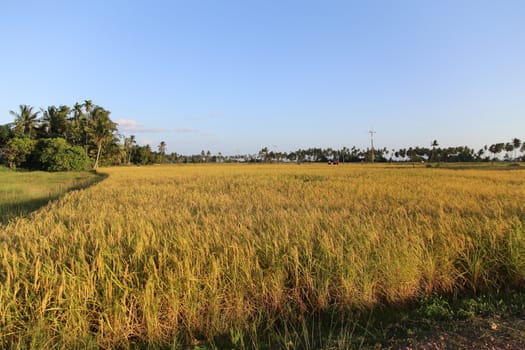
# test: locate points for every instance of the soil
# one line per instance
(494, 333)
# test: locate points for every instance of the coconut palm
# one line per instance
(344, 152)
(26, 120)
(129, 143)
(55, 121)
(77, 111)
(509, 148)
(517, 144)
(88, 105)
(101, 130)
(433, 144)
(162, 151)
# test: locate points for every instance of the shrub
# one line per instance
(57, 154)
(17, 150)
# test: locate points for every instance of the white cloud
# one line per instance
(129, 125)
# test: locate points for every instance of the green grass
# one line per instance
(23, 192)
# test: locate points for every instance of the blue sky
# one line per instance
(235, 76)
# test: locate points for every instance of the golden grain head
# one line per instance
(153, 254)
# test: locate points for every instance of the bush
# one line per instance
(58, 155)
(17, 150)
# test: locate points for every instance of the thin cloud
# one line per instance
(129, 125)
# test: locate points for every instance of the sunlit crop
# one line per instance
(178, 254)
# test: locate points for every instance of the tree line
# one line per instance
(70, 138)
(84, 136)
(57, 138)
(514, 150)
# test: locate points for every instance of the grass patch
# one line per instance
(24, 192)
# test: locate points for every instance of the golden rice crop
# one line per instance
(167, 254)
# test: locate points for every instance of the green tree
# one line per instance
(516, 143)
(162, 151)
(263, 154)
(77, 111)
(344, 152)
(496, 149)
(5, 134)
(54, 121)
(25, 120)
(56, 154)
(88, 105)
(433, 144)
(101, 130)
(492, 149)
(142, 155)
(129, 144)
(18, 150)
(509, 147)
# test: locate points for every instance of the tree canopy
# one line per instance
(62, 138)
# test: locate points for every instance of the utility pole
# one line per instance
(372, 132)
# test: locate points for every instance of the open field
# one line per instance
(187, 255)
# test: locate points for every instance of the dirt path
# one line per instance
(492, 333)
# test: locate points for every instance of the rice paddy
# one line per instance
(179, 256)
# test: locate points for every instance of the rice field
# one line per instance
(235, 255)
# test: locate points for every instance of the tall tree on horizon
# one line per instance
(129, 144)
(101, 130)
(54, 121)
(88, 105)
(77, 111)
(509, 148)
(344, 152)
(517, 144)
(433, 144)
(162, 151)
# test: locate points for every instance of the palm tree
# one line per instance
(77, 111)
(25, 120)
(77, 126)
(492, 149)
(263, 154)
(344, 151)
(55, 121)
(88, 104)
(509, 147)
(516, 143)
(434, 144)
(129, 143)
(162, 151)
(101, 130)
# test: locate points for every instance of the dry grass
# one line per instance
(176, 254)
